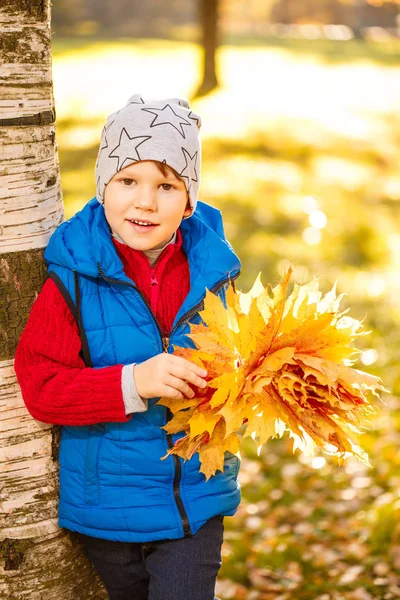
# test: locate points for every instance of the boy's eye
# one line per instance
(128, 182)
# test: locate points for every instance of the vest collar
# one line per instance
(210, 256)
(127, 254)
(84, 244)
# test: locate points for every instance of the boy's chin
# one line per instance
(146, 244)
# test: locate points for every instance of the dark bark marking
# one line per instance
(31, 9)
(47, 117)
(12, 551)
(55, 442)
(25, 45)
(22, 275)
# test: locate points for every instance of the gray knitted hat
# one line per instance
(163, 130)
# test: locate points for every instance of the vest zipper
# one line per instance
(178, 471)
(165, 344)
(200, 305)
(165, 340)
(132, 285)
(153, 290)
(186, 317)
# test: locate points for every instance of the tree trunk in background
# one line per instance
(358, 15)
(336, 12)
(38, 560)
(209, 26)
(285, 12)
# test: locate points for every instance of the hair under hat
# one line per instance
(162, 130)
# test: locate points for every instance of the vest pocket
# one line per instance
(92, 487)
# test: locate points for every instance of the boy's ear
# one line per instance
(188, 210)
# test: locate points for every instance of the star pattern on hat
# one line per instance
(189, 167)
(108, 125)
(170, 118)
(196, 119)
(125, 155)
(99, 186)
(104, 133)
(140, 101)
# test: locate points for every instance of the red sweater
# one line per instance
(56, 386)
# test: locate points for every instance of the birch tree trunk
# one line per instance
(37, 558)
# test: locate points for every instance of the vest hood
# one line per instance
(84, 242)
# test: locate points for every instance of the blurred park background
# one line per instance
(300, 101)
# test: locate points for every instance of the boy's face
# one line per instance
(141, 192)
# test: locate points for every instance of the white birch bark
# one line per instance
(38, 560)
(30, 195)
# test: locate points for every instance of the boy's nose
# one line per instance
(145, 199)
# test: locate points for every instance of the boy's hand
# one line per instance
(167, 375)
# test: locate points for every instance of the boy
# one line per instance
(126, 276)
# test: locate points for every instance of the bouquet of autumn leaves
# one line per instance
(275, 364)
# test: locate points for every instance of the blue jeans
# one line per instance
(183, 569)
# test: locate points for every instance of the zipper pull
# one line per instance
(165, 342)
(153, 280)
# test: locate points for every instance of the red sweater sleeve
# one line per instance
(56, 386)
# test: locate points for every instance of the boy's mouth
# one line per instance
(142, 226)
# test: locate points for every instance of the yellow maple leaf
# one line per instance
(202, 421)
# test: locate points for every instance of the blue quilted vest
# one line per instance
(113, 484)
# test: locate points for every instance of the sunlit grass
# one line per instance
(91, 82)
(260, 86)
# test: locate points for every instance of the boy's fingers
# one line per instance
(171, 392)
(180, 385)
(187, 364)
(185, 374)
